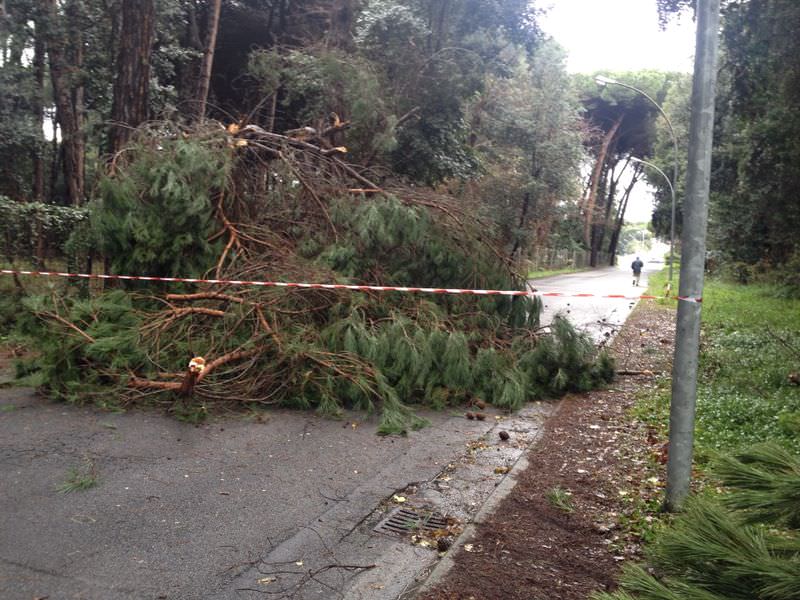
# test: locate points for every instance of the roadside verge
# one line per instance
(558, 534)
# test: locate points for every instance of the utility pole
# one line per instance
(698, 181)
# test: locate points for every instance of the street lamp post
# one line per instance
(603, 81)
(672, 194)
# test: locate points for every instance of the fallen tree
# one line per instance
(241, 203)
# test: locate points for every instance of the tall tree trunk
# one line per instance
(4, 33)
(206, 65)
(56, 152)
(523, 215)
(620, 218)
(438, 15)
(37, 109)
(598, 231)
(596, 175)
(69, 115)
(600, 228)
(132, 82)
(188, 70)
(74, 22)
(340, 32)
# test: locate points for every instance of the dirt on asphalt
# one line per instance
(595, 477)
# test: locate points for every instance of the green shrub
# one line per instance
(32, 230)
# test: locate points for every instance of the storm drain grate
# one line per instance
(405, 520)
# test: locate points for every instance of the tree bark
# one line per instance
(37, 109)
(437, 21)
(132, 82)
(4, 31)
(598, 231)
(596, 175)
(68, 101)
(206, 65)
(526, 203)
(620, 218)
(340, 32)
(76, 27)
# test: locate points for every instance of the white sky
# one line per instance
(620, 35)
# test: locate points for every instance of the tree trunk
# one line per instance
(206, 65)
(189, 69)
(601, 228)
(598, 232)
(620, 219)
(526, 203)
(132, 82)
(37, 109)
(55, 152)
(596, 175)
(76, 27)
(437, 19)
(5, 33)
(340, 32)
(68, 113)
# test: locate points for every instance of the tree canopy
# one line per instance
(436, 92)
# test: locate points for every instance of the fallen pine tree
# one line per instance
(240, 203)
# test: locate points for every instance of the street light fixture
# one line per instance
(672, 193)
(603, 81)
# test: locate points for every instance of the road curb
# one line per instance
(504, 488)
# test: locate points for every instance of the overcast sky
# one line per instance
(620, 35)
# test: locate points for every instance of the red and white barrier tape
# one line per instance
(339, 286)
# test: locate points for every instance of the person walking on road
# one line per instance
(637, 270)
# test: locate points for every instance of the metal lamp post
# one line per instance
(603, 81)
(672, 193)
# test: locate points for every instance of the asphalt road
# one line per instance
(281, 505)
(594, 315)
(236, 508)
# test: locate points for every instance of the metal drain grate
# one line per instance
(405, 520)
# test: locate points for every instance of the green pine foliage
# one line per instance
(766, 479)
(77, 367)
(327, 351)
(155, 211)
(314, 82)
(743, 546)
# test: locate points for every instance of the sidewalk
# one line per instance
(557, 536)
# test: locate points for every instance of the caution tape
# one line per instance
(341, 286)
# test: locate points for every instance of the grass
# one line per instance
(552, 272)
(750, 345)
(79, 478)
(657, 285)
(560, 499)
(749, 348)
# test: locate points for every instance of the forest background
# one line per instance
(312, 140)
(467, 96)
